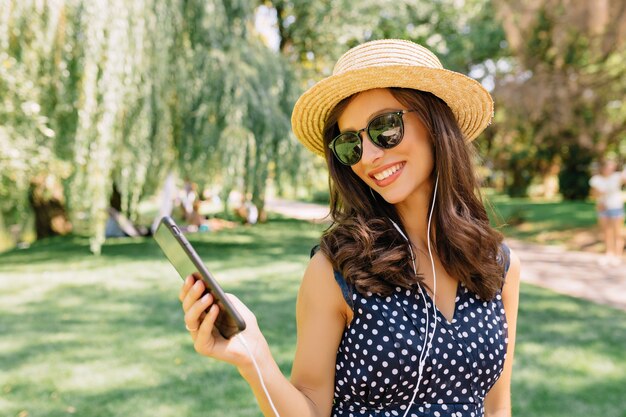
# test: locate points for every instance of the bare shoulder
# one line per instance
(514, 266)
(319, 282)
(320, 319)
(320, 263)
(319, 271)
(512, 280)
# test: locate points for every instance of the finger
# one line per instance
(193, 295)
(205, 335)
(196, 312)
(184, 289)
(195, 315)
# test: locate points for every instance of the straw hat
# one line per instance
(390, 63)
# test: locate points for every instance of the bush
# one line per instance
(321, 197)
(575, 173)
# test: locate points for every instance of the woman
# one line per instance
(607, 188)
(408, 228)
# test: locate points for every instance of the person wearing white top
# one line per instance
(606, 187)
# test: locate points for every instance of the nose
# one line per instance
(371, 152)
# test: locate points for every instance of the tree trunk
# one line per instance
(575, 173)
(6, 242)
(116, 199)
(518, 186)
(45, 196)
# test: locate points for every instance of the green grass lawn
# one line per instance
(547, 222)
(568, 223)
(103, 336)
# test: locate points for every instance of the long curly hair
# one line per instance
(365, 247)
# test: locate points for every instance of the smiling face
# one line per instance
(397, 173)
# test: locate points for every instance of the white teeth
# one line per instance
(386, 173)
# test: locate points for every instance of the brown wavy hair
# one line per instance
(365, 247)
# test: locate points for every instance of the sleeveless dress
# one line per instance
(377, 359)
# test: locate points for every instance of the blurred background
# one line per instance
(101, 100)
(115, 112)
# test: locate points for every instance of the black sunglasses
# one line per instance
(385, 131)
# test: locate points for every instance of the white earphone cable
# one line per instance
(425, 352)
(242, 340)
(422, 359)
(427, 341)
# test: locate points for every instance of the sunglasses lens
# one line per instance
(347, 148)
(386, 130)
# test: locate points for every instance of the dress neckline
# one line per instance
(457, 299)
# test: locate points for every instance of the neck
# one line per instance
(414, 211)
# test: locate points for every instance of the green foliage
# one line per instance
(575, 173)
(316, 33)
(125, 92)
(26, 136)
(566, 84)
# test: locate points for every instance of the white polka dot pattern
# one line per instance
(377, 360)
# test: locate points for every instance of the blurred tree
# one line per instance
(562, 98)
(313, 34)
(114, 94)
(28, 161)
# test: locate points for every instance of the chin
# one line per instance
(393, 197)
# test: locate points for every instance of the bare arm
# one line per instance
(321, 320)
(594, 192)
(321, 317)
(498, 399)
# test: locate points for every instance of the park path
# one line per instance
(578, 274)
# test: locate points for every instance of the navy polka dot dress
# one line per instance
(377, 360)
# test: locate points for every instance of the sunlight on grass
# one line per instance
(103, 375)
(232, 274)
(101, 337)
(569, 358)
(545, 222)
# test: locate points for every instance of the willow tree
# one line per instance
(29, 68)
(233, 101)
(124, 92)
(74, 77)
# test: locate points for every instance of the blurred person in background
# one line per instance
(606, 187)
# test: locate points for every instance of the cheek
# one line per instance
(421, 143)
(359, 171)
(416, 147)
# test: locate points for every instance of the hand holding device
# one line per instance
(205, 295)
(187, 262)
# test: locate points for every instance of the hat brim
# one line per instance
(470, 102)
